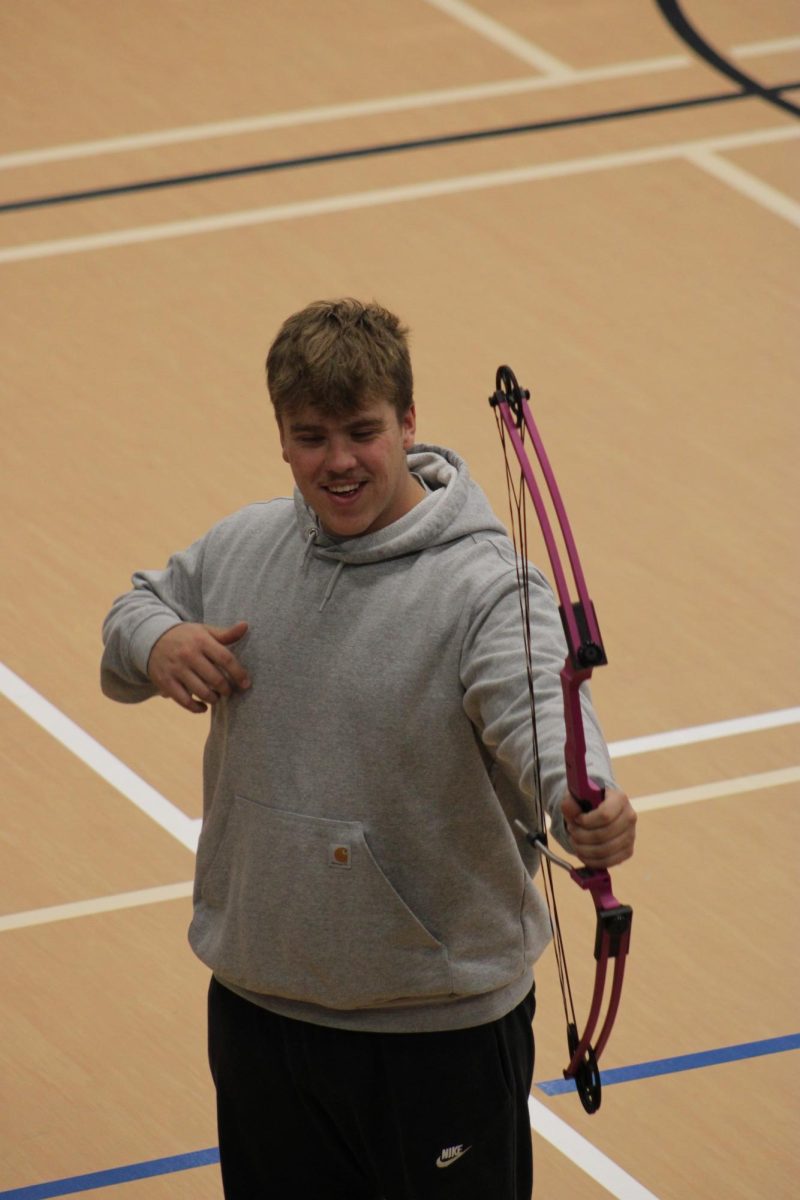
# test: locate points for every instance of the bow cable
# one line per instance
(518, 520)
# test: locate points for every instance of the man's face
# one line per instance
(353, 470)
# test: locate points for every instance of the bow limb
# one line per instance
(612, 940)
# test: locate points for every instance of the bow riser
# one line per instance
(588, 794)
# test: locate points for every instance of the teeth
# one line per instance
(344, 489)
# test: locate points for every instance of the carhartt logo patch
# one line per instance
(451, 1154)
(339, 856)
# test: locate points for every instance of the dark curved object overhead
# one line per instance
(674, 14)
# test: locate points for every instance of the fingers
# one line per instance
(230, 672)
(186, 700)
(233, 633)
(605, 836)
(207, 684)
(570, 808)
(173, 689)
(226, 672)
(190, 665)
(605, 854)
(206, 679)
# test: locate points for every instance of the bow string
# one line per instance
(585, 652)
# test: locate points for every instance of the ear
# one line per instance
(284, 455)
(409, 427)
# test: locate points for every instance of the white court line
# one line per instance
(734, 727)
(334, 112)
(583, 1154)
(749, 185)
(504, 37)
(366, 108)
(174, 891)
(715, 791)
(166, 814)
(776, 46)
(187, 829)
(327, 205)
(99, 904)
(616, 1181)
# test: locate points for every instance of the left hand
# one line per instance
(603, 837)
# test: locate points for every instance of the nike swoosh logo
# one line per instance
(448, 1162)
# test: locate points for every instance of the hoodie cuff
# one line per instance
(146, 636)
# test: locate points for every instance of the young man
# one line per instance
(361, 897)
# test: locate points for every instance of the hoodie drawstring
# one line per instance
(334, 579)
(311, 534)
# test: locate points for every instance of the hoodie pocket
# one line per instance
(299, 907)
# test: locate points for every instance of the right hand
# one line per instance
(191, 664)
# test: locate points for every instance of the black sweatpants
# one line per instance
(307, 1112)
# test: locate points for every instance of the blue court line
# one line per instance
(98, 1179)
(553, 1087)
(684, 1062)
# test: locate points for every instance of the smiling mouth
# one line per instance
(343, 491)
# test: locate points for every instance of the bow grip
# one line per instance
(583, 789)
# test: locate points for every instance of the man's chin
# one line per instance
(346, 529)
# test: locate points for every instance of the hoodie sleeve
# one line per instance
(497, 699)
(158, 601)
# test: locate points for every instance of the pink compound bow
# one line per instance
(584, 652)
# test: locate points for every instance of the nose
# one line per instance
(340, 457)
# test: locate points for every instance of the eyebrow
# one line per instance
(359, 423)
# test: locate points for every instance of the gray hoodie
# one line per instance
(357, 865)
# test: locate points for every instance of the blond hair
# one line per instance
(336, 354)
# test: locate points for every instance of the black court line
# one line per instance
(673, 13)
(448, 139)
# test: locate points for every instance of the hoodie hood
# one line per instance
(455, 507)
